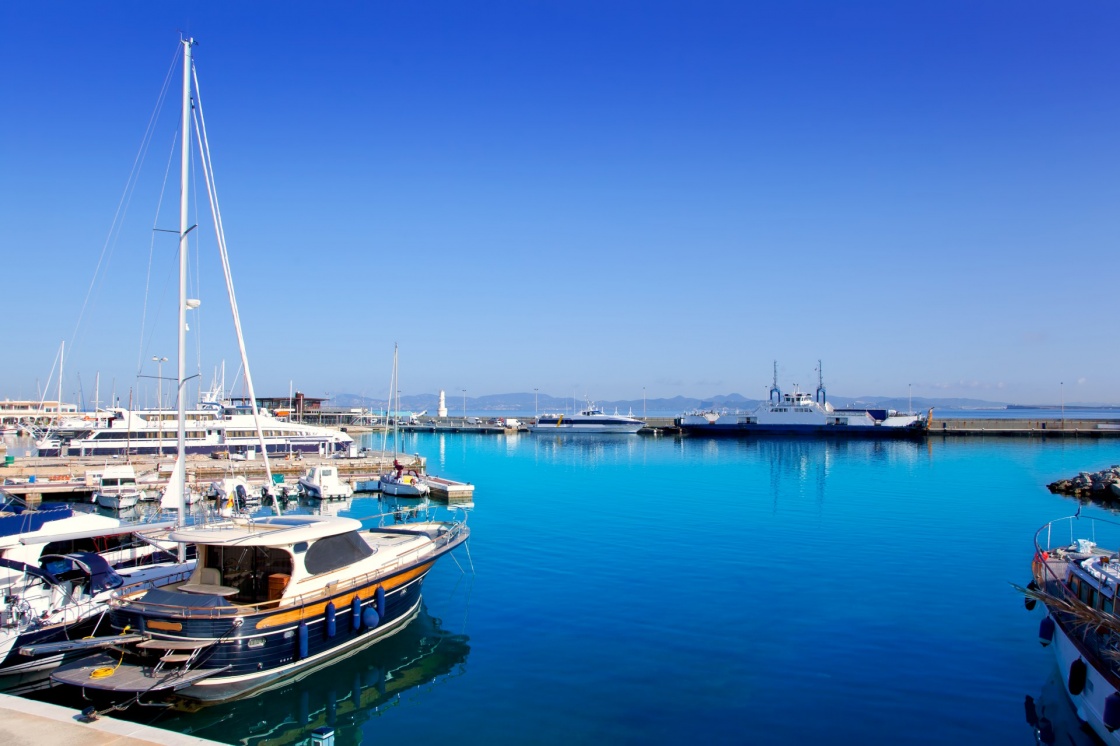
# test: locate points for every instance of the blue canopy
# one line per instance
(102, 577)
(29, 569)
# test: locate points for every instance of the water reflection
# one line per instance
(1051, 716)
(325, 507)
(344, 695)
(792, 468)
(585, 450)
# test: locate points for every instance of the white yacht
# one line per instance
(322, 483)
(117, 488)
(209, 429)
(590, 420)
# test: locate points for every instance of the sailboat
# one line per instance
(271, 598)
(397, 482)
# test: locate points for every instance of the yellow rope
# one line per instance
(106, 671)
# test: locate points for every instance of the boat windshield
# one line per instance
(333, 552)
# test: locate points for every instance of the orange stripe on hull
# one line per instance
(316, 610)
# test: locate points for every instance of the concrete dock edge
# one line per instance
(25, 721)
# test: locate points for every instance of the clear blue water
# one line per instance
(646, 590)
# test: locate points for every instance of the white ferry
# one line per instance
(800, 413)
(590, 420)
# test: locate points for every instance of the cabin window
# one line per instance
(333, 552)
(1086, 593)
(299, 547)
(1106, 604)
(1075, 585)
(247, 569)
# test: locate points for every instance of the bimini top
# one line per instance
(273, 531)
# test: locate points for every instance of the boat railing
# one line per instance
(1077, 538)
(442, 542)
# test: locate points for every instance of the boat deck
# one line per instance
(126, 677)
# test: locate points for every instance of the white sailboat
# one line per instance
(397, 482)
(333, 586)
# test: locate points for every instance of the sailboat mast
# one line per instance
(184, 228)
(58, 410)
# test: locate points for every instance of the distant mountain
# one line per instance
(530, 402)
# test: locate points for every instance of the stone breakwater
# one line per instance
(1103, 485)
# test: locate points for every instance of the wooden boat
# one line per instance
(1076, 569)
(269, 599)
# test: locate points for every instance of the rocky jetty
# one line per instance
(1103, 485)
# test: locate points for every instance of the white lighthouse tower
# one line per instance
(442, 404)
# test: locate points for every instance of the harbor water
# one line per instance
(637, 590)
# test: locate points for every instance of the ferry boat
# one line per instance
(800, 413)
(1075, 580)
(590, 420)
(269, 599)
(208, 430)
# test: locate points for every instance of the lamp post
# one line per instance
(643, 402)
(535, 410)
(159, 361)
(464, 406)
(1062, 387)
(910, 397)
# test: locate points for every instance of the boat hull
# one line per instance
(247, 653)
(589, 428)
(403, 489)
(17, 669)
(742, 430)
(122, 501)
(1090, 702)
(170, 450)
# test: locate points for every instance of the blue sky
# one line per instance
(589, 198)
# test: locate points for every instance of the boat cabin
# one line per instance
(259, 561)
(118, 478)
(1094, 580)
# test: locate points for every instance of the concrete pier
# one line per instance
(1023, 428)
(25, 721)
(66, 477)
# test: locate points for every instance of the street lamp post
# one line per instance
(159, 361)
(535, 409)
(643, 402)
(910, 397)
(464, 406)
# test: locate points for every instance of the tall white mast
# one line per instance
(184, 228)
(61, 355)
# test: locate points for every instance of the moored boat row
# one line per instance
(241, 603)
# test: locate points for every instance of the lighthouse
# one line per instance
(442, 404)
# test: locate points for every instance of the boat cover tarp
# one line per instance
(29, 569)
(175, 598)
(27, 521)
(102, 577)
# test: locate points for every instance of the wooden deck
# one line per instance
(126, 677)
